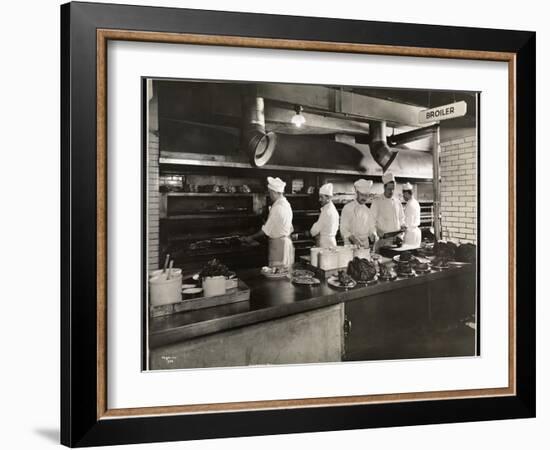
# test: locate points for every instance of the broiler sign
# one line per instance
(444, 112)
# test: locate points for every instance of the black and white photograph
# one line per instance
(307, 224)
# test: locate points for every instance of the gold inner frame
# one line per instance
(104, 35)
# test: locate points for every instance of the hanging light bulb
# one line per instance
(298, 119)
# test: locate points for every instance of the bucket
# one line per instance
(328, 259)
(163, 291)
(158, 273)
(314, 256)
(213, 286)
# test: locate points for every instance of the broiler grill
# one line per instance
(196, 227)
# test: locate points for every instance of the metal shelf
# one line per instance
(213, 215)
(209, 194)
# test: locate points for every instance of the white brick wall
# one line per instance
(153, 198)
(459, 189)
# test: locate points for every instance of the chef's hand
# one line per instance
(354, 240)
(403, 227)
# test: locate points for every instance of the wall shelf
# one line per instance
(208, 194)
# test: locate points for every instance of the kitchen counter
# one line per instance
(272, 299)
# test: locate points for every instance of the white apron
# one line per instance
(413, 236)
(280, 252)
(326, 241)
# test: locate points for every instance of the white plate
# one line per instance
(191, 291)
(372, 281)
(457, 264)
(334, 282)
(268, 273)
(275, 276)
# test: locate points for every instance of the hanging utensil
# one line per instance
(166, 263)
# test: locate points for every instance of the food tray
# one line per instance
(239, 294)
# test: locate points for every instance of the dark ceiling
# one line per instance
(421, 97)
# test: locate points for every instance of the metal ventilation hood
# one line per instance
(347, 150)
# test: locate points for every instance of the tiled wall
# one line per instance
(459, 188)
(154, 201)
(153, 196)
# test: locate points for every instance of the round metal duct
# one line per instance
(258, 145)
(379, 149)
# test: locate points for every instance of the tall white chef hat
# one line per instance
(276, 184)
(388, 178)
(363, 186)
(326, 189)
(407, 187)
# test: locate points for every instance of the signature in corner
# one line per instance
(169, 359)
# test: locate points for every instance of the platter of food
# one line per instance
(306, 281)
(373, 280)
(423, 269)
(362, 270)
(440, 262)
(405, 269)
(406, 274)
(387, 272)
(276, 272)
(416, 263)
(341, 281)
(303, 273)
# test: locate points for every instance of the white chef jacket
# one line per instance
(357, 220)
(279, 221)
(278, 228)
(413, 235)
(388, 214)
(412, 213)
(327, 226)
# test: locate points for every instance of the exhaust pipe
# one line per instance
(256, 143)
(379, 149)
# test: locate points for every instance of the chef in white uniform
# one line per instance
(387, 212)
(278, 227)
(357, 223)
(325, 229)
(413, 235)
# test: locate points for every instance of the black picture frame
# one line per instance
(81, 422)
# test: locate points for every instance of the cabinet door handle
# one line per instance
(347, 326)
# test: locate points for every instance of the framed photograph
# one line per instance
(278, 224)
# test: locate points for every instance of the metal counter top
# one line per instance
(272, 299)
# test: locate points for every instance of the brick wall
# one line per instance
(153, 196)
(459, 188)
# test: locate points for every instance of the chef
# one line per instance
(357, 224)
(413, 235)
(278, 227)
(325, 229)
(387, 212)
